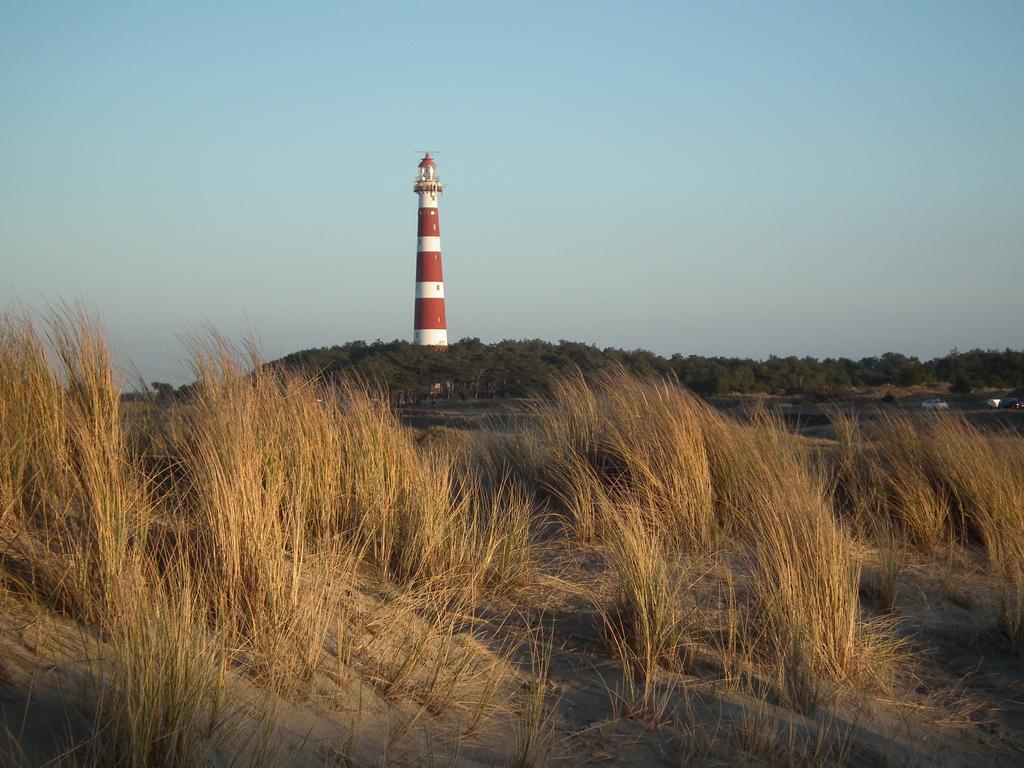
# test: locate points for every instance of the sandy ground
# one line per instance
(958, 700)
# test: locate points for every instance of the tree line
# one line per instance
(470, 369)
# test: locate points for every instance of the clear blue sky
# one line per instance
(745, 178)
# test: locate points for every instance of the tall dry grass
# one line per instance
(251, 453)
(650, 624)
(889, 474)
(159, 697)
(805, 577)
(271, 530)
(74, 503)
(291, 482)
(622, 442)
(939, 480)
(227, 540)
(647, 468)
(77, 509)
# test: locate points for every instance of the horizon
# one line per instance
(727, 181)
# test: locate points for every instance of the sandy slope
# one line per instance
(960, 702)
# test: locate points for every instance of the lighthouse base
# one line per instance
(433, 337)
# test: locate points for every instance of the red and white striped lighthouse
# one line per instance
(429, 325)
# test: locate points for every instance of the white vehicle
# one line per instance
(993, 403)
(935, 404)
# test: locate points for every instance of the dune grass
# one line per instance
(233, 547)
(278, 534)
(656, 469)
(938, 481)
(620, 442)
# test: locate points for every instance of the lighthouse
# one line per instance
(429, 326)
